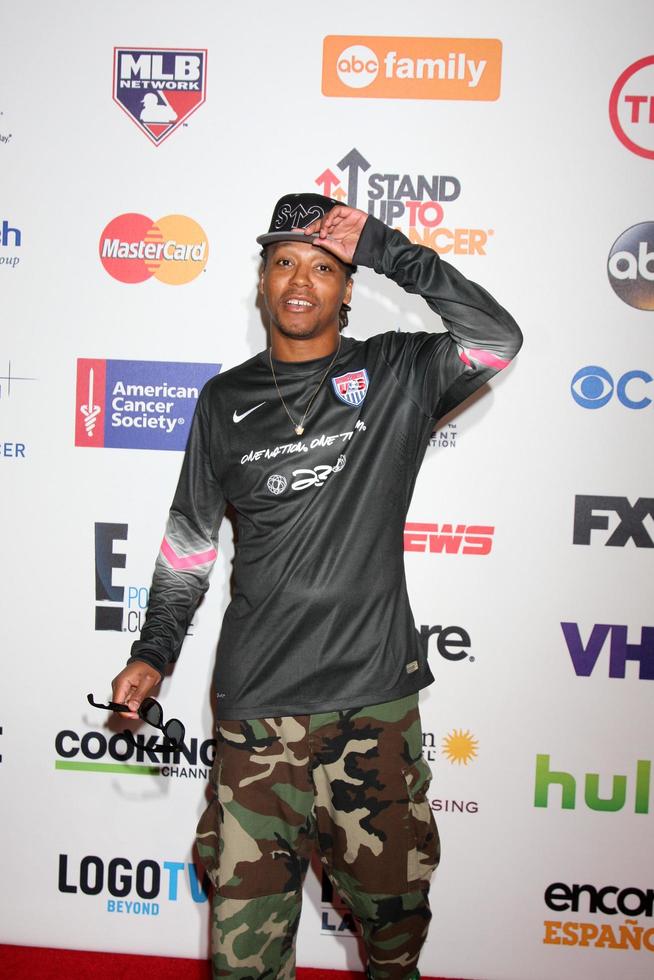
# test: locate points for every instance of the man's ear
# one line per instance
(348, 291)
(261, 282)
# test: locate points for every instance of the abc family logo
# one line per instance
(631, 107)
(137, 404)
(159, 88)
(173, 249)
(631, 266)
(593, 387)
(411, 67)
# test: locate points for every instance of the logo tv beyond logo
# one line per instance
(411, 67)
(477, 539)
(173, 250)
(630, 527)
(159, 88)
(122, 879)
(631, 266)
(137, 404)
(631, 107)
(593, 387)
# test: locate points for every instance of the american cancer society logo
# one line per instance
(137, 404)
(159, 88)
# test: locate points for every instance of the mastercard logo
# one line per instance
(173, 249)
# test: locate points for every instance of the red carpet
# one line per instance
(37, 963)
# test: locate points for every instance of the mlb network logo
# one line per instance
(159, 88)
(137, 404)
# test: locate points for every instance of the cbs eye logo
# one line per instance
(631, 266)
(593, 387)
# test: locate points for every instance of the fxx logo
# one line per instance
(592, 514)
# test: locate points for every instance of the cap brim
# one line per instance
(286, 236)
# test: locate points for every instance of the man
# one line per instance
(316, 444)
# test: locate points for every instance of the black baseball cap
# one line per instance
(292, 213)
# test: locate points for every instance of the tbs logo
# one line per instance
(631, 266)
(631, 107)
(593, 387)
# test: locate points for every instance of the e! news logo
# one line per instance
(631, 107)
(591, 514)
(159, 88)
(174, 249)
(137, 404)
(593, 387)
(631, 266)
(584, 656)
(449, 539)
(411, 67)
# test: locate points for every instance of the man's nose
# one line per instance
(301, 275)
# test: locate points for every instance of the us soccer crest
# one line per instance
(159, 88)
(352, 387)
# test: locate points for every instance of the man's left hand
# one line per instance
(339, 231)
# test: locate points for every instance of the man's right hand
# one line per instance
(133, 684)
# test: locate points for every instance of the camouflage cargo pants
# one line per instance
(351, 782)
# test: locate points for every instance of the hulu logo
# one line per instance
(546, 777)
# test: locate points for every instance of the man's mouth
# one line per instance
(297, 304)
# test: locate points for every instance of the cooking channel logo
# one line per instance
(137, 404)
(631, 266)
(134, 248)
(159, 88)
(413, 203)
(631, 107)
(412, 68)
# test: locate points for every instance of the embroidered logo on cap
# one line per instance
(296, 217)
(352, 387)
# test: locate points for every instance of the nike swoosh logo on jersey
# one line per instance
(239, 418)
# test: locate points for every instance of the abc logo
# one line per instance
(593, 387)
(631, 266)
(357, 66)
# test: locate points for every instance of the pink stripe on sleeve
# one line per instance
(180, 563)
(484, 357)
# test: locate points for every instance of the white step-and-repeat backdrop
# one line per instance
(517, 140)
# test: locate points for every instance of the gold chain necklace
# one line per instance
(299, 426)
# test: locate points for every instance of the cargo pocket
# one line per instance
(207, 834)
(424, 844)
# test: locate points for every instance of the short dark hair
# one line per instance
(349, 270)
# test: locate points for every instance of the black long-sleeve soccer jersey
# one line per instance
(320, 618)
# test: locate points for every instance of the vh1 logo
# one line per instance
(584, 656)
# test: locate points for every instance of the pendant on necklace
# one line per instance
(299, 429)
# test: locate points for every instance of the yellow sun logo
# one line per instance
(460, 746)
